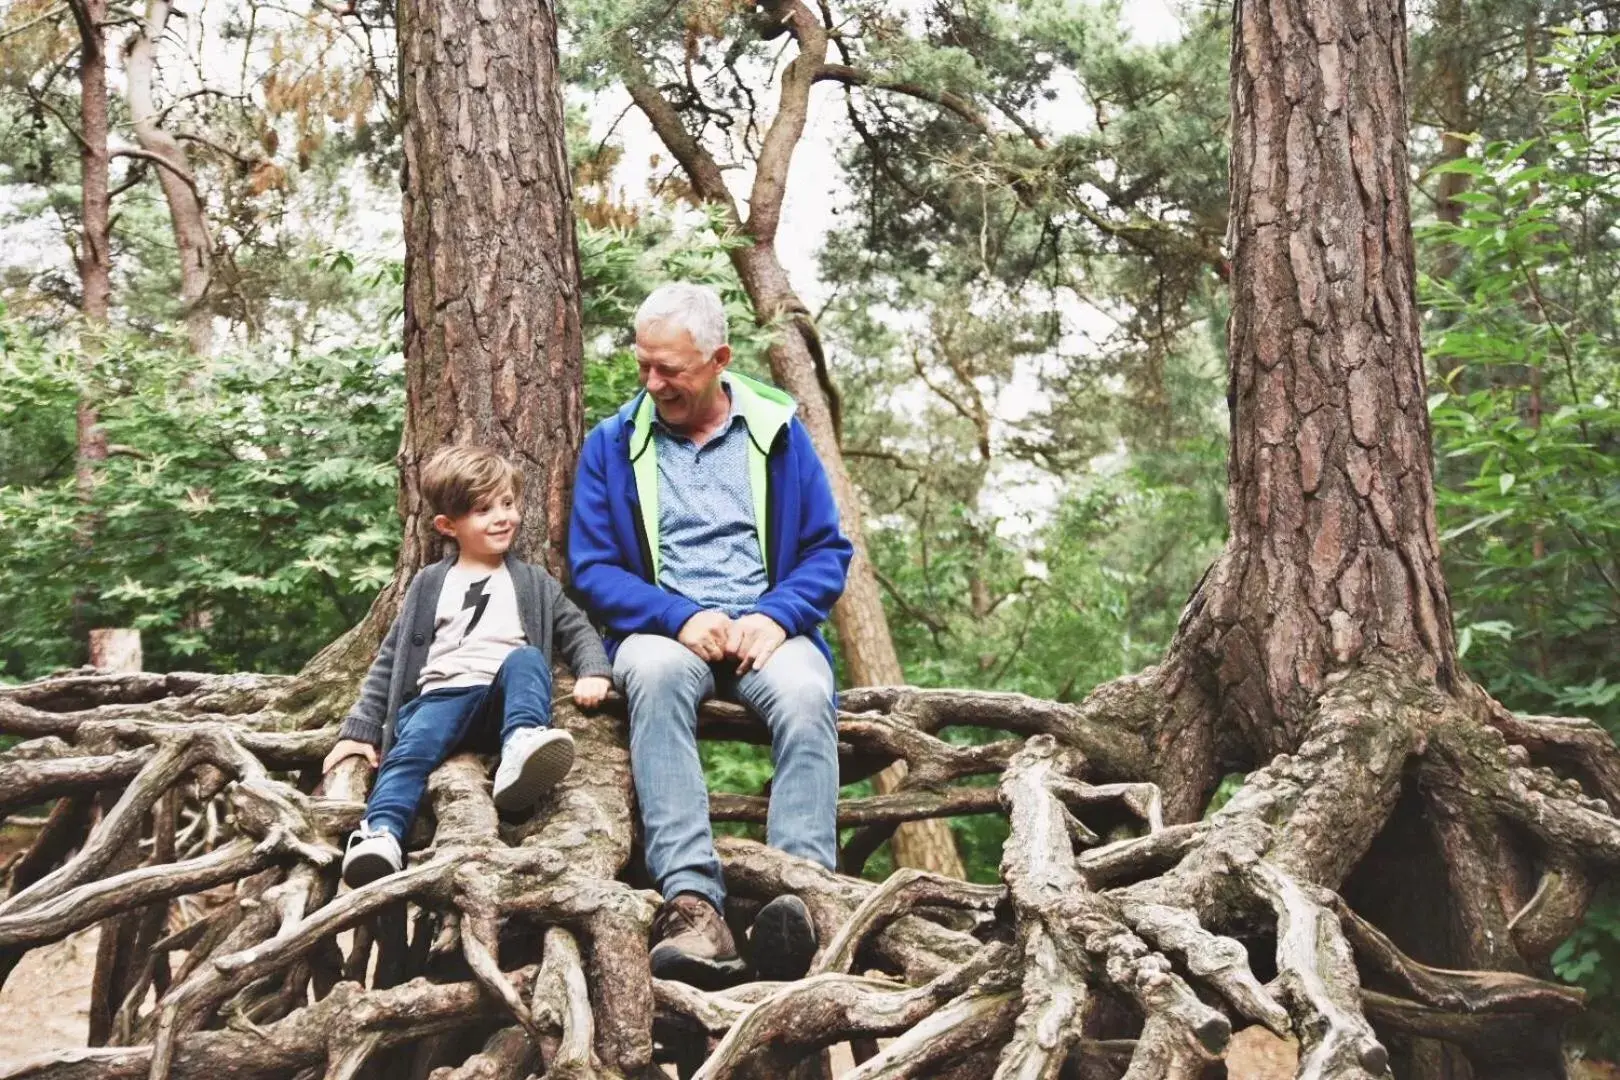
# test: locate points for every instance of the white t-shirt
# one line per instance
(475, 629)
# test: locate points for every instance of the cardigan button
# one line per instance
(418, 640)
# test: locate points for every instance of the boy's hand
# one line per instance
(349, 748)
(752, 640)
(590, 691)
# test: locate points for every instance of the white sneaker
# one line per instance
(372, 854)
(532, 761)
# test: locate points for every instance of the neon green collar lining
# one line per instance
(765, 410)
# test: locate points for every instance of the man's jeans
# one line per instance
(663, 681)
(432, 727)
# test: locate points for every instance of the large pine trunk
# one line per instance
(493, 346)
(1333, 552)
(1333, 563)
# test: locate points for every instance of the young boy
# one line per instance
(468, 654)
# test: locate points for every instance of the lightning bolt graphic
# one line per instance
(475, 598)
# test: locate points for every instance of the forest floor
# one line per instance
(45, 1004)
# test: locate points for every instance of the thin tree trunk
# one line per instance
(94, 257)
(187, 216)
(798, 365)
(1454, 80)
(864, 639)
(94, 262)
(1538, 541)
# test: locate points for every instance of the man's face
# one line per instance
(682, 381)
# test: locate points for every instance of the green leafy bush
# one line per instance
(1522, 339)
(244, 516)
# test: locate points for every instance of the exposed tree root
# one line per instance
(507, 948)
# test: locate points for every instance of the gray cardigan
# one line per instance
(545, 610)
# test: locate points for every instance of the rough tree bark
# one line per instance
(187, 217)
(93, 257)
(95, 241)
(797, 359)
(492, 319)
(493, 345)
(1392, 875)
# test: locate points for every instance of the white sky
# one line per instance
(815, 191)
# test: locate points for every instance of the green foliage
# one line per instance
(1523, 339)
(244, 516)
(247, 514)
(1526, 420)
(1590, 958)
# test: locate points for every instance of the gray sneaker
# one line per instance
(371, 854)
(532, 761)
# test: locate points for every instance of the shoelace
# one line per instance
(673, 917)
(363, 833)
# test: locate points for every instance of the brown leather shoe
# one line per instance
(693, 945)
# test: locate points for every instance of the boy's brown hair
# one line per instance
(458, 478)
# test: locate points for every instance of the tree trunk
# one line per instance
(1456, 64)
(1333, 550)
(1333, 566)
(95, 243)
(493, 346)
(864, 640)
(494, 352)
(187, 217)
(109, 649)
(94, 255)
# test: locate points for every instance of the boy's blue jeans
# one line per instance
(431, 727)
(663, 682)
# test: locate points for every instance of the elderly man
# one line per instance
(705, 540)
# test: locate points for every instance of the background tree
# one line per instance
(187, 217)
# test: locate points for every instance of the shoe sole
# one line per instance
(546, 766)
(695, 971)
(365, 868)
(784, 940)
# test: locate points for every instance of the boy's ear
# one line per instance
(444, 525)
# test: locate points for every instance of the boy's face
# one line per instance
(488, 529)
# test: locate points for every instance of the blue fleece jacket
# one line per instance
(610, 561)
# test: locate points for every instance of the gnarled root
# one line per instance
(509, 947)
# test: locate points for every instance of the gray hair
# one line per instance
(694, 308)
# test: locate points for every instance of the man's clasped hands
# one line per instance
(749, 639)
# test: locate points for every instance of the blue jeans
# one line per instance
(433, 726)
(663, 682)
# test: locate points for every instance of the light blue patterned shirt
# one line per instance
(707, 544)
